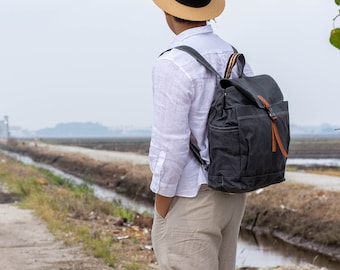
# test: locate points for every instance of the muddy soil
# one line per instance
(267, 211)
(300, 147)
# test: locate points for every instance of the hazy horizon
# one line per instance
(78, 61)
(134, 127)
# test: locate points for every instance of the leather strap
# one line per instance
(276, 139)
(230, 65)
(235, 58)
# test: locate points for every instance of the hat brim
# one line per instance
(210, 11)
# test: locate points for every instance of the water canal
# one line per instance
(253, 250)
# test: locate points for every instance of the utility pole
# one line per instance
(6, 118)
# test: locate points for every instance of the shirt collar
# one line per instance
(189, 33)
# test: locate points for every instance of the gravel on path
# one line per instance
(27, 244)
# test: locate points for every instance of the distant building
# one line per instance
(18, 132)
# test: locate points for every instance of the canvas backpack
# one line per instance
(248, 129)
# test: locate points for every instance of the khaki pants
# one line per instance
(199, 233)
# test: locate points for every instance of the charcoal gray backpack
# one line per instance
(248, 130)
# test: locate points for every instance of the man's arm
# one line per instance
(162, 204)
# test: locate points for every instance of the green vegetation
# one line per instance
(69, 211)
(331, 171)
(335, 33)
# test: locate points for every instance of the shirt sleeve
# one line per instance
(170, 137)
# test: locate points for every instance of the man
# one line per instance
(194, 227)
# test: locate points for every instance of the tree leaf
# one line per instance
(335, 37)
(337, 2)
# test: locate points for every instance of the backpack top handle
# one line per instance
(235, 58)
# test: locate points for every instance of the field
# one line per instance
(299, 214)
(137, 145)
(315, 147)
(300, 147)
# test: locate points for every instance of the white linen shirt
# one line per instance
(183, 91)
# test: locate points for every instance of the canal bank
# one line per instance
(256, 250)
(274, 215)
(26, 243)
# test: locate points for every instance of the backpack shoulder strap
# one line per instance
(198, 57)
(235, 59)
(195, 54)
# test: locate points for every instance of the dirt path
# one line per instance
(26, 243)
(324, 182)
(101, 155)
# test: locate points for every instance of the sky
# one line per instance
(91, 60)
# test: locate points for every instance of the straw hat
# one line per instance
(192, 10)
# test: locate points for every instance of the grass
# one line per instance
(298, 211)
(132, 180)
(70, 211)
(331, 170)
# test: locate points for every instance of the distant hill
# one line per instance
(97, 130)
(88, 130)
